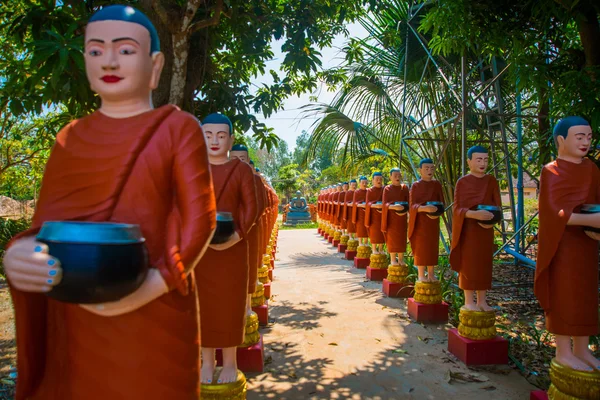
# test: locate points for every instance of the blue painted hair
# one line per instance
(128, 14)
(562, 127)
(344, 183)
(239, 147)
(426, 161)
(218, 118)
(377, 174)
(352, 180)
(257, 169)
(363, 178)
(476, 149)
(394, 170)
(251, 162)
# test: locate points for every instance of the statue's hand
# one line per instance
(427, 209)
(30, 268)
(224, 246)
(593, 235)
(481, 215)
(153, 287)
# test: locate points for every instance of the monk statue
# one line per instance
(298, 203)
(224, 273)
(472, 252)
(424, 225)
(394, 222)
(128, 163)
(337, 198)
(566, 275)
(373, 210)
(358, 212)
(347, 209)
(298, 212)
(342, 208)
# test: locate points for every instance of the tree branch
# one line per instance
(162, 14)
(212, 21)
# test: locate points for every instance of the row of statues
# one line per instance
(158, 169)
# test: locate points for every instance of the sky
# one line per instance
(290, 123)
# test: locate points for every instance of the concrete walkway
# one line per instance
(335, 336)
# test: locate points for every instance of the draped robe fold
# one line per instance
(566, 275)
(65, 352)
(223, 275)
(347, 212)
(472, 252)
(394, 226)
(358, 213)
(255, 236)
(424, 232)
(373, 215)
(341, 209)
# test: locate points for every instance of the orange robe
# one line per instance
(255, 236)
(424, 232)
(347, 211)
(152, 170)
(222, 276)
(566, 275)
(340, 210)
(373, 216)
(358, 213)
(472, 253)
(330, 207)
(393, 225)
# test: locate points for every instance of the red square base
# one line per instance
(273, 262)
(335, 243)
(538, 395)
(330, 239)
(342, 248)
(326, 236)
(361, 263)
(350, 254)
(399, 290)
(267, 287)
(376, 274)
(319, 230)
(249, 359)
(263, 313)
(271, 274)
(478, 352)
(428, 313)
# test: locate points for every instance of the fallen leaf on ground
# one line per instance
(464, 377)
(424, 339)
(378, 340)
(277, 348)
(399, 351)
(332, 344)
(489, 388)
(268, 360)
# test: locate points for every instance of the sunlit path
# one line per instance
(333, 335)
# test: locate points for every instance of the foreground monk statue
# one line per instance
(472, 252)
(424, 228)
(566, 275)
(127, 162)
(223, 272)
(394, 221)
(373, 208)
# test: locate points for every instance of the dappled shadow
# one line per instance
(300, 315)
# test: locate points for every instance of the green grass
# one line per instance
(307, 225)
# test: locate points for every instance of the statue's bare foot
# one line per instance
(228, 375)
(587, 357)
(207, 372)
(421, 279)
(471, 307)
(574, 362)
(432, 278)
(485, 307)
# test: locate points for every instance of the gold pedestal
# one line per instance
(337, 235)
(363, 251)
(251, 335)
(352, 244)
(258, 297)
(266, 259)
(570, 384)
(398, 273)
(263, 274)
(428, 292)
(378, 261)
(344, 239)
(224, 391)
(477, 325)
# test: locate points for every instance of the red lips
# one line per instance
(214, 148)
(111, 78)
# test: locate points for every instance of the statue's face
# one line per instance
(118, 63)
(478, 163)
(426, 171)
(395, 177)
(218, 139)
(363, 183)
(378, 181)
(577, 143)
(345, 187)
(240, 155)
(352, 185)
(339, 188)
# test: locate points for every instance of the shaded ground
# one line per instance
(333, 335)
(7, 343)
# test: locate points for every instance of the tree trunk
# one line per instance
(543, 133)
(589, 32)
(181, 45)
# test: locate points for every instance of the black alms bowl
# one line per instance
(439, 205)
(101, 261)
(403, 207)
(225, 228)
(497, 211)
(590, 209)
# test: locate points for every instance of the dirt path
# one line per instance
(333, 335)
